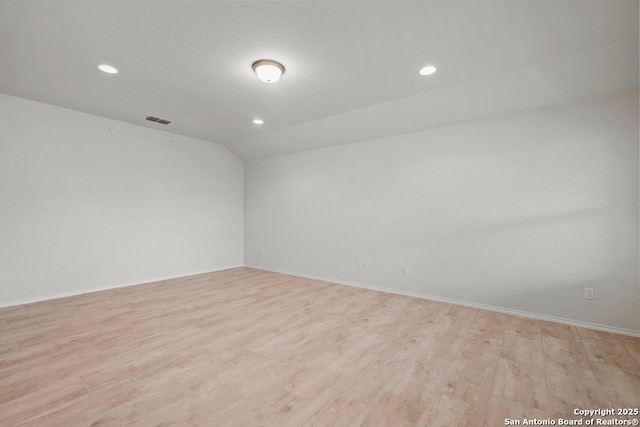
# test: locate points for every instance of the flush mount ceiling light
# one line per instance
(428, 70)
(258, 121)
(267, 70)
(108, 69)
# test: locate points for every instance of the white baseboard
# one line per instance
(106, 288)
(621, 331)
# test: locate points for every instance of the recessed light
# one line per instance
(258, 121)
(267, 70)
(428, 70)
(108, 69)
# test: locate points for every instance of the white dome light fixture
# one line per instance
(108, 69)
(267, 70)
(258, 121)
(428, 70)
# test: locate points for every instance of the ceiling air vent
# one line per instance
(158, 120)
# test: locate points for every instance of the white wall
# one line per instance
(79, 194)
(520, 212)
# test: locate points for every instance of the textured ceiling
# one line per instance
(351, 66)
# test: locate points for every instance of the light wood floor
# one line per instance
(246, 347)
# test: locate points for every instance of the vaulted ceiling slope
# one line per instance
(351, 66)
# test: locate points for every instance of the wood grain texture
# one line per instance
(249, 347)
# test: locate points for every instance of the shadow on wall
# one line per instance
(520, 212)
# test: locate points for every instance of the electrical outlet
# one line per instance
(126, 263)
(262, 252)
(358, 265)
(589, 293)
(405, 270)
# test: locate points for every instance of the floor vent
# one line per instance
(158, 120)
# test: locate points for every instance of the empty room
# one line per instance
(319, 213)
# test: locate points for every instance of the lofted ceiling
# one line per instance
(351, 66)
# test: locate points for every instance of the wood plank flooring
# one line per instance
(246, 347)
